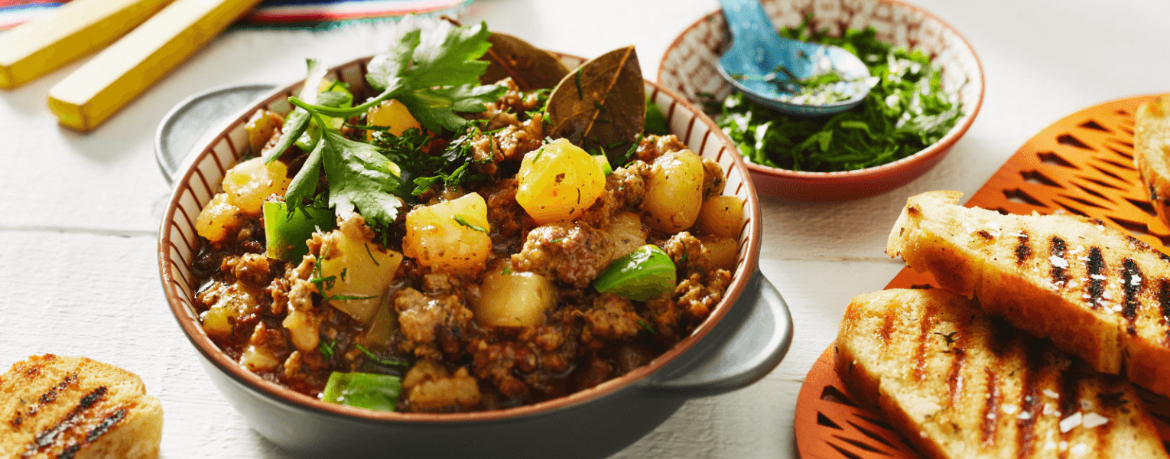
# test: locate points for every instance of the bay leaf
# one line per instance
(602, 104)
(530, 67)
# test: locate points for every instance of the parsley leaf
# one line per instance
(359, 177)
(298, 120)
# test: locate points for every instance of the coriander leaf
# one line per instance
(384, 70)
(360, 178)
(305, 183)
(335, 99)
(298, 120)
(436, 107)
(449, 56)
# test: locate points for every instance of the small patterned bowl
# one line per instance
(689, 68)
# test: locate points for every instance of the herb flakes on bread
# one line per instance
(962, 384)
(1095, 291)
(76, 408)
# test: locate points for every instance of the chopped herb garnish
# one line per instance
(904, 112)
(507, 271)
(371, 254)
(463, 221)
(647, 327)
(557, 240)
(326, 349)
(387, 362)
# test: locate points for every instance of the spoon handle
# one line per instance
(748, 21)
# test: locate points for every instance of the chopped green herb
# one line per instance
(647, 327)
(577, 79)
(387, 362)
(463, 221)
(905, 111)
(557, 240)
(326, 349)
(507, 271)
(371, 254)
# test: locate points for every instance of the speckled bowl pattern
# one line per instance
(689, 68)
(565, 426)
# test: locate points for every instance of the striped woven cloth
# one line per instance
(273, 13)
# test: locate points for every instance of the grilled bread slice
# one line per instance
(1151, 152)
(1095, 291)
(963, 384)
(76, 408)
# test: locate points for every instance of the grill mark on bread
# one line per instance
(991, 408)
(1029, 398)
(1070, 395)
(957, 341)
(1132, 281)
(46, 398)
(48, 438)
(104, 426)
(1057, 248)
(1096, 266)
(888, 327)
(1164, 308)
(920, 353)
(985, 235)
(1023, 250)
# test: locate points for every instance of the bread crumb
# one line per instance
(1070, 422)
(1093, 420)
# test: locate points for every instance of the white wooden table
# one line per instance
(79, 213)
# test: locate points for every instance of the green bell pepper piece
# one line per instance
(286, 232)
(641, 275)
(363, 390)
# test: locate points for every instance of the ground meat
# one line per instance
(512, 101)
(696, 299)
(355, 227)
(430, 387)
(713, 179)
(653, 146)
(628, 184)
(431, 319)
(596, 371)
(252, 268)
(505, 215)
(498, 363)
(612, 318)
(688, 253)
(573, 253)
(664, 316)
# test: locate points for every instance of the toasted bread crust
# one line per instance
(76, 408)
(1095, 291)
(960, 384)
(1151, 152)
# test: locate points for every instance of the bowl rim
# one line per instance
(932, 150)
(276, 393)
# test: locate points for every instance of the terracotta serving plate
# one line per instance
(1082, 164)
(689, 67)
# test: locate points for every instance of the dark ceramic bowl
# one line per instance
(745, 337)
(689, 67)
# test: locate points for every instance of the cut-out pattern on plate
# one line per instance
(1082, 164)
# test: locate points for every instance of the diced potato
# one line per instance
(450, 236)
(260, 129)
(361, 271)
(231, 303)
(627, 233)
(258, 358)
(721, 216)
(303, 329)
(392, 114)
(674, 191)
(723, 250)
(513, 299)
(218, 219)
(558, 182)
(249, 183)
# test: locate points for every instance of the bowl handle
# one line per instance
(747, 344)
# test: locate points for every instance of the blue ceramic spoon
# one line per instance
(768, 68)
